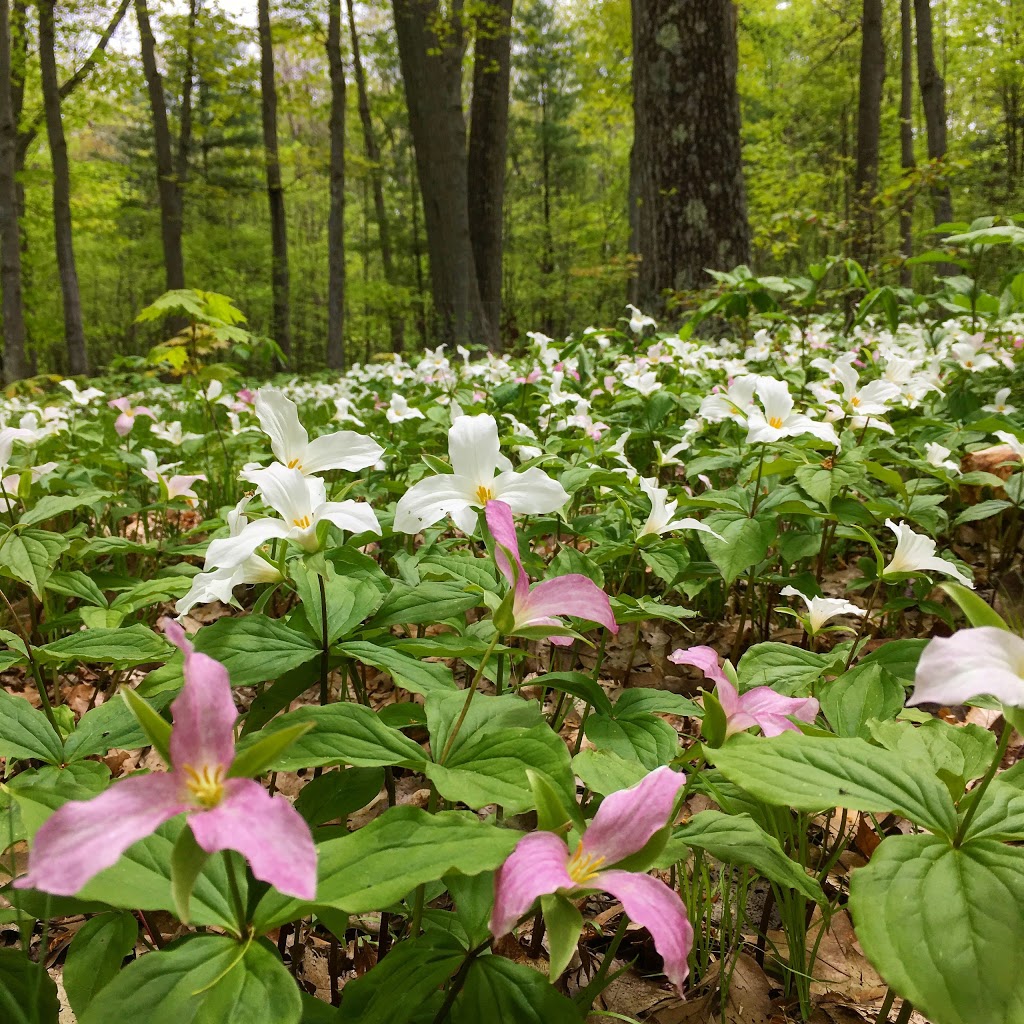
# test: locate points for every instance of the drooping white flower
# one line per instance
(638, 321)
(399, 410)
(343, 411)
(81, 397)
(172, 433)
(661, 519)
(734, 403)
(1014, 442)
(219, 584)
(481, 474)
(971, 662)
(302, 503)
(999, 404)
(292, 447)
(935, 455)
(178, 486)
(916, 553)
(775, 419)
(821, 609)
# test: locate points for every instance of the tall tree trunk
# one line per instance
(14, 363)
(281, 320)
(869, 126)
(933, 98)
(336, 218)
(431, 48)
(187, 87)
(488, 147)
(417, 256)
(170, 208)
(907, 134)
(396, 322)
(74, 331)
(691, 212)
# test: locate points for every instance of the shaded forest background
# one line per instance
(567, 250)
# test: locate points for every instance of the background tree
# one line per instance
(687, 189)
(336, 221)
(869, 127)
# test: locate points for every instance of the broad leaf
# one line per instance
(500, 991)
(121, 648)
(255, 648)
(25, 732)
(95, 956)
(27, 993)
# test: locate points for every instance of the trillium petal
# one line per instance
(83, 837)
(267, 831)
(204, 712)
(288, 491)
(566, 595)
(531, 492)
(354, 516)
(123, 424)
(227, 552)
(503, 530)
(627, 820)
(473, 448)
(704, 658)
(429, 500)
(208, 587)
(536, 867)
(771, 711)
(651, 903)
(690, 523)
(971, 662)
(345, 449)
(279, 419)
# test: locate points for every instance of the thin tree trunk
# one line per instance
(488, 147)
(74, 331)
(907, 134)
(14, 363)
(431, 48)
(281, 320)
(187, 86)
(933, 98)
(691, 212)
(170, 210)
(417, 255)
(396, 322)
(869, 126)
(336, 218)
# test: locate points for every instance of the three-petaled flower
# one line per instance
(916, 553)
(83, 837)
(626, 821)
(124, 423)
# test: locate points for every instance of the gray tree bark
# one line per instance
(74, 330)
(280, 317)
(336, 217)
(14, 361)
(488, 145)
(396, 323)
(690, 211)
(170, 208)
(907, 161)
(869, 122)
(933, 98)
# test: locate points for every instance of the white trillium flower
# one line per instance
(971, 662)
(1013, 442)
(967, 354)
(481, 474)
(292, 447)
(935, 455)
(172, 433)
(178, 486)
(821, 609)
(400, 410)
(776, 418)
(81, 397)
(302, 503)
(734, 403)
(1000, 404)
(219, 584)
(638, 321)
(661, 520)
(916, 553)
(343, 411)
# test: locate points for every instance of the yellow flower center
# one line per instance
(583, 867)
(303, 523)
(206, 786)
(484, 494)
(855, 401)
(295, 464)
(775, 421)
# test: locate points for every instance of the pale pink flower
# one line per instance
(955, 669)
(124, 423)
(541, 604)
(625, 822)
(83, 837)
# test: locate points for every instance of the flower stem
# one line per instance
(325, 694)
(469, 699)
(1004, 742)
(236, 896)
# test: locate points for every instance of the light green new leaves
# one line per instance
(945, 926)
(202, 979)
(813, 773)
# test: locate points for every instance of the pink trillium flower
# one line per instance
(625, 822)
(971, 662)
(83, 837)
(124, 423)
(761, 706)
(541, 604)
